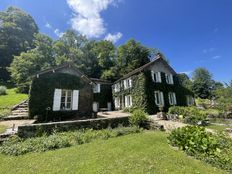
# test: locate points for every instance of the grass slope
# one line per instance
(8, 101)
(136, 153)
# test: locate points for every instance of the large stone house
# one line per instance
(65, 92)
(153, 86)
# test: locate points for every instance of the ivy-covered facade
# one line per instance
(65, 92)
(152, 87)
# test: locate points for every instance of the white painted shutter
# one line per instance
(126, 101)
(159, 77)
(162, 98)
(152, 76)
(56, 100)
(174, 98)
(131, 101)
(171, 79)
(98, 88)
(130, 82)
(75, 100)
(169, 98)
(124, 82)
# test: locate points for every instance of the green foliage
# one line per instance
(191, 115)
(211, 148)
(184, 81)
(16, 34)
(202, 83)
(17, 146)
(138, 118)
(2, 90)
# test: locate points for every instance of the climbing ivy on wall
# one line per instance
(104, 96)
(143, 88)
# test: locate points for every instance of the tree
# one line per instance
(29, 63)
(131, 56)
(202, 83)
(184, 80)
(17, 30)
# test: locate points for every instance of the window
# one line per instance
(159, 98)
(169, 78)
(156, 76)
(117, 102)
(128, 101)
(66, 100)
(190, 100)
(172, 98)
(96, 88)
(127, 83)
(117, 87)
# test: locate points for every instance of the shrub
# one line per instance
(138, 118)
(18, 146)
(2, 90)
(215, 149)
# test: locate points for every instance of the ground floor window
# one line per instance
(65, 99)
(159, 98)
(190, 100)
(117, 102)
(128, 101)
(172, 98)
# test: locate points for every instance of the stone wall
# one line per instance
(99, 123)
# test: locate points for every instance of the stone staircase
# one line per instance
(18, 112)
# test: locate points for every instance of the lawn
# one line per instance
(136, 153)
(8, 101)
(218, 127)
(2, 128)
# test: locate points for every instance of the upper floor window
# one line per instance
(156, 76)
(128, 101)
(117, 87)
(159, 98)
(172, 98)
(96, 88)
(190, 100)
(127, 83)
(169, 78)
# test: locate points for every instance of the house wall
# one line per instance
(42, 93)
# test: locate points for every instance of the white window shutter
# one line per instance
(169, 98)
(162, 98)
(174, 98)
(130, 82)
(131, 101)
(126, 101)
(98, 88)
(159, 76)
(171, 79)
(152, 76)
(56, 100)
(124, 82)
(75, 99)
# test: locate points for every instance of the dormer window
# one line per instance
(156, 76)
(169, 78)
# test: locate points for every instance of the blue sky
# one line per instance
(191, 33)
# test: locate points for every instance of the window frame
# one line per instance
(66, 102)
(97, 88)
(169, 79)
(172, 98)
(160, 101)
(128, 98)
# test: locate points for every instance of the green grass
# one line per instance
(136, 153)
(8, 101)
(218, 127)
(2, 128)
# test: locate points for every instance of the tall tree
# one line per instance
(17, 30)
(29, 63)
(131, 56)
(202, 83)
(184, 80)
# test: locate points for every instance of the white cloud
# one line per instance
(47, 25)
(216, 57)
(87, 19)
(58, 33)
(113, 37)
(209, 50)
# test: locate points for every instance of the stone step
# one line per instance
(15, 117)
(19, 111)
(19, 114)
